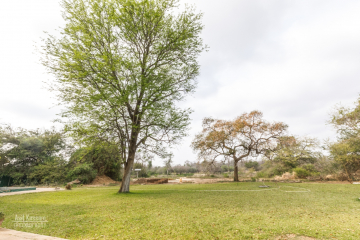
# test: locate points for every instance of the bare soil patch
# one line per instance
(103, 180)
(293, 237)
(331, 182)
(199, 180)
(151, 181)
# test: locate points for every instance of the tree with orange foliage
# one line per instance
(249, 135)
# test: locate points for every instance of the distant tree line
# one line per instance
(51, 156)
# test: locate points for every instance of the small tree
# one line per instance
(291, 152)
(247, 135)
(149, 166)
(168, 163)
(347, 154)
(346, 151)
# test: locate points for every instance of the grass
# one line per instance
(323, 211)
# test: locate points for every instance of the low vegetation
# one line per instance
(194, 211)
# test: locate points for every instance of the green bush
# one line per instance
(54, 171)
(103, 157)
(271, 169)
(226, 168)
(84, 172)
(261, 175)
(226, 175)
(310, 168)
(252, 164)
(143, 173)
(253, 179)
(301, 172)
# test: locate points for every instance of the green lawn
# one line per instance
(323, 211)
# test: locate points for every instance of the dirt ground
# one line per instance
(331, 182)
(216, 180)
(294, 237)
(199, 180)
(103, 180)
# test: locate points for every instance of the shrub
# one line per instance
(341, 177)
(310, 168)
(301, 172)
(53, 171)
(261, 175)
(253, 179)
(2, 216)
(252, 164)
(84, 172)
(103, 157)
(226, 175)
(151, 173)
(68, 186)
(271, 169)
(226, 168)
(183, 169)
(143, 173)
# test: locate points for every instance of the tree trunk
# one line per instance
(236, 172)
(348, 175)
(125, 183)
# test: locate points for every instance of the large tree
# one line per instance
(246, 136)
(120, 67)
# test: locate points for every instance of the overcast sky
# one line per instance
(292, 60)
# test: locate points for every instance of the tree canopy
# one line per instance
(26, 155)
(120, 66)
